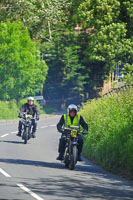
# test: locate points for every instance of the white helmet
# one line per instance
(72, 107)
(30, 99)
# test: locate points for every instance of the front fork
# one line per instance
(24, 127)
(70, 148)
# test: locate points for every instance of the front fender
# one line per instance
(74, 143)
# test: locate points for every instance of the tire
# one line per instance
(26, 135)
(66, 159)
(29, 133)
(73, 158)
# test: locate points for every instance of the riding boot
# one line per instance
(79, 158)
(19, 129)
(19, 134)
(60, 157)
(33, 134)
(61, 149)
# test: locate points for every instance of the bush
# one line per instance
(110, 139)
(9, 109)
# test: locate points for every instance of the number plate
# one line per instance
(74, 133)
(28, 116)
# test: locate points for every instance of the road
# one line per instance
(31, 172)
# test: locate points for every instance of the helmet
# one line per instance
(30, 99)
(72, 107)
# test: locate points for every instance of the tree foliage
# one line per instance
(21, 70)
(110, 42)
(66, 76)
(78, 61)
(42, 17)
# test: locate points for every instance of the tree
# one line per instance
(73, 78)
(109, 40)
(42, 17)
(88, 56)
(66, 75)
(21, 70)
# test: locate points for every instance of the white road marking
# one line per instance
(44, 127)
(4, 135)
(14, 132)
(4, 173)
(30, 192)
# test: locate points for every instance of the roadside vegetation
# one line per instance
(9, 109)
(110, 139)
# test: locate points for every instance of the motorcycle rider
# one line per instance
(31, 109)
(71, 118)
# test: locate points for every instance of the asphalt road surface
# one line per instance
(31, 172)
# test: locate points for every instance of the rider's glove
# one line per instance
(85, 132)
(61, 130)
(37, 118)
(20, 115)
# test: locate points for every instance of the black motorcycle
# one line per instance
(71, 150)
(26, 127)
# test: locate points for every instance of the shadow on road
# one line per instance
(75, 184)
(85, 168)
(79, 187)
(33, 163)
(60, 165)
(14, 142)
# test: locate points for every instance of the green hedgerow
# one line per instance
(110, 138)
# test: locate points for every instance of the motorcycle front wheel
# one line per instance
(26, 131)
(73, 158)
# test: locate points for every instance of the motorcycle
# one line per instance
(71, 150)
(26, 127)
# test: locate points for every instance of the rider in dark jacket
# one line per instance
(72, 118)
(29, 108)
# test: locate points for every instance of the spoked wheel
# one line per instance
(26, 131)
(73, 158)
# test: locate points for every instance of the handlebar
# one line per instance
(25, 115)
(85, 132)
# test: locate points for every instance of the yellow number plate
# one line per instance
(28, 116)
(74, 133)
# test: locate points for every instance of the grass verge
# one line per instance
(110, 139)
(9, 109)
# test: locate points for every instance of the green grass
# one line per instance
(9, 109)
(110, 139)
